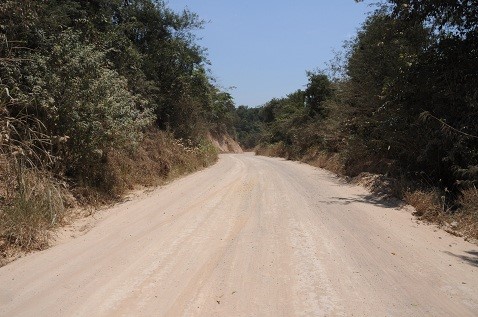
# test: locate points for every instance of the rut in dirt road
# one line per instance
(250, 236)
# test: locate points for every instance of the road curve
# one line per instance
(250, 236)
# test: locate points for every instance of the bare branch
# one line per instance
(426, 115)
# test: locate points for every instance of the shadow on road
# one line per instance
(367, 199)
(471, 258)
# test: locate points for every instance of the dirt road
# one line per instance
(250, 236)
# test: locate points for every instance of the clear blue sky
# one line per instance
(264, 47)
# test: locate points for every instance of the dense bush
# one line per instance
(87, 104)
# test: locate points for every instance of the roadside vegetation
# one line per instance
(401, 101)
(97, 97)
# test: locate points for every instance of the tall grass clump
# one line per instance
(468, 218)
(427, 203)
(31, 200)
(158, 157)
(32, 209)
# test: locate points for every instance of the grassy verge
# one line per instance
(429, 202)
(33, 202)
(159, 157)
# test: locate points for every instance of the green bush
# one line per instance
(87, 104)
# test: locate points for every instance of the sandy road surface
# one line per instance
(250, 236)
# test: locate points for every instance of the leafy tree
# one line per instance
(223, 113)
(450, 18)
(440, 87)
(248, 126)
(383, 51)
(319, 89)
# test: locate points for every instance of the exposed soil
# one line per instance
(224, 143)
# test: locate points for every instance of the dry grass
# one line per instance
(32, 202)
(329, 161)
(158, 158)
(273, 150)
(428, 204)
(29, 211)
(468, 217)
(469, 202)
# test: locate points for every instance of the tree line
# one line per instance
(401, 100)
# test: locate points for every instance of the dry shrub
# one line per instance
(273, 150)
(461, 222)
(357, 163)
(329, 161)
(469, 202)
(29, 211)
(468, 215)
(159, 157)
(428, 204)
(31, 201)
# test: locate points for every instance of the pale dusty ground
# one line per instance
(250, 236)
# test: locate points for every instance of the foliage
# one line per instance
(319, 89)
(96, 74)
(158, 157)
(85, 103)
(383, 51)
(248, 126)
(84, 85)
(441, 87)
